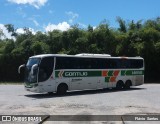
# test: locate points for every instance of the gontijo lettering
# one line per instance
(76, 74)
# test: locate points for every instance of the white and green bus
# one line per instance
(61, 73)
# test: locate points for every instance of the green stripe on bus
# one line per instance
(96, 73)
(78, 73)
(107, 79)
(110, 73)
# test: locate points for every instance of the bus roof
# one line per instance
(93, 55)
(88, 55)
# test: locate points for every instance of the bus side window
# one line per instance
(124, 63)
(137, 63)
(100, 63)
(60, 63)
(112, 63)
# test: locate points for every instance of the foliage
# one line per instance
(130, 39)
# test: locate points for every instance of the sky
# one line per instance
(47, 15)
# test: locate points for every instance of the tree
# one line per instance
(39, 36)
(40, 48)
(9, 47)
(90, 28)
(81, 45)
(139, 25)
(27, 49)
(131, 39)
(54, 41)
(2, 46)
(1, 33)
(132, 25)
(11, 29)
(122, 25)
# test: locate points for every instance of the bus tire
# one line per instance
(128, 84)
(119, 85)
(62, 89)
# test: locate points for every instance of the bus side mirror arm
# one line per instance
(19, 69)
(33, 67)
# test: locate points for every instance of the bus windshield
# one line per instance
(31, 78)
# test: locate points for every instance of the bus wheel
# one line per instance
(128, 84)
(119, 85)
(62, 89)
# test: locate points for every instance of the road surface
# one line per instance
(144, 99)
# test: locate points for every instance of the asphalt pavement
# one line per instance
(140, 100)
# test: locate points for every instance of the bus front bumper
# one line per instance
(33, 88)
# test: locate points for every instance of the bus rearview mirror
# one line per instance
(19, 69)
(33, 68)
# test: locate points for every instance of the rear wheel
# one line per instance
(119, 85)
(128, 84)
(62, 89)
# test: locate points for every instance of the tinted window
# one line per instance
(96, 63)
(87, 63)
(112, 63)
(62, 63)
(28, 77)
(76, 63)
(45, 68)
(124, 63)
(136, 63)
(129, 63)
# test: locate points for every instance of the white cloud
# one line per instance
(34, 21)
(5, 33)
(61, 26)
(22, 31)
(94, 27)
(82, 25)
(72, 16)
(36, 3)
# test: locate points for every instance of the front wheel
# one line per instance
(62, 89)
